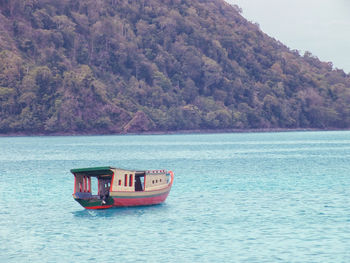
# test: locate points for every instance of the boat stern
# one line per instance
(93, 202)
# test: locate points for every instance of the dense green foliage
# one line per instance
(111, 66)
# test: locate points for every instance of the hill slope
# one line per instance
(109, 66)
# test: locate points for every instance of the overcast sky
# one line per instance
(319, 26)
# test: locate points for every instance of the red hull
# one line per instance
(99, 207)
(152, 200)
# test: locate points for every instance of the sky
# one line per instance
(321, 27)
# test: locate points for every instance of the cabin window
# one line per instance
(152, 181)
(93, 185)
(84, 184)
(120, 182)
(125, 180)
(130, 180)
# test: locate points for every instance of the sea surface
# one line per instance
(239, 197)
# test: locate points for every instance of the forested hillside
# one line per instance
(112, 66)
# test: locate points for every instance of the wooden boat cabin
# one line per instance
(106, 187)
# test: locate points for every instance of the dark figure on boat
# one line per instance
(104, 190)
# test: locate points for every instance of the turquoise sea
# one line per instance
(240, 197)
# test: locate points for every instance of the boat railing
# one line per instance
(83, 195)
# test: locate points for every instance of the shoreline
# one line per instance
(204, 131)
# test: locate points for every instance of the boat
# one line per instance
(107, 187)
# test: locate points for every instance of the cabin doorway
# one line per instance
(104, 185)
(139, 182)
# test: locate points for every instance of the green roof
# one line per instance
(93, 171)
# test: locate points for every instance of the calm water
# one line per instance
(258, 197)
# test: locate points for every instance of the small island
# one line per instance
(114, 67)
